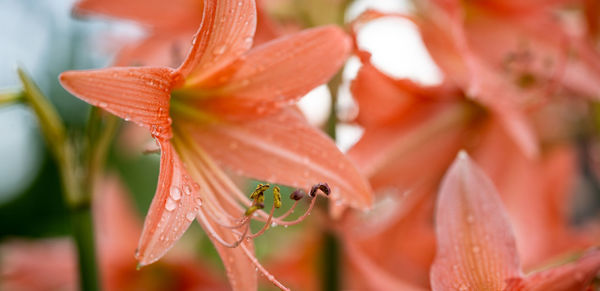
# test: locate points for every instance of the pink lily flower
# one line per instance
(228, 108)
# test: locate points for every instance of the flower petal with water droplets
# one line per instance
(167, 219)
(278, 73)
(476, 247)
(224, 35)
(138, 94)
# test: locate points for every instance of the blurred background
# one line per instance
(44, 38)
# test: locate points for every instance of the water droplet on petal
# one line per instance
(102, 104)
(198, 201)
(219, 50)
(187, 189)
(170, 205)
(190, 216)
(470, 218)
(175, 193)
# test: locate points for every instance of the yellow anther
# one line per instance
(276, 197)
(260, 198)
(260, 189)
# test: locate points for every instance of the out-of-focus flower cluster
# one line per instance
(474, 164)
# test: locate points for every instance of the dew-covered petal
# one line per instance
(570, 277)
(138, 94)
(278, 73)
(283, 148)
(173, 207)
(225, 34)
(476, 248)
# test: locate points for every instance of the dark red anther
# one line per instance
(321, 186)
(298, 194)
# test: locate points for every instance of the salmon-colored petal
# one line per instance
(280, 72)
(571, 277)
(154, 13)
(174, 206)
(138, 94)
(476, 247)
(537, 195)
(379, 98)
(224, 35)
(283, 148)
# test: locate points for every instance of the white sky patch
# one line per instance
(398, 50)
(316, 105)
(347, 135)
(395, 6)
(20, 151)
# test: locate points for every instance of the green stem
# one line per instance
(83, 233)
(78, 201)
(333, 85)
(10, 96)
(331, 262)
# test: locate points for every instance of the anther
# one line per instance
(298, 194)
(321, 186)
(260, 190)
(276, 197)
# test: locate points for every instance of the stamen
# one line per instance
(209, 229)
(265, 226)
(299, 219)
(290, 211)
